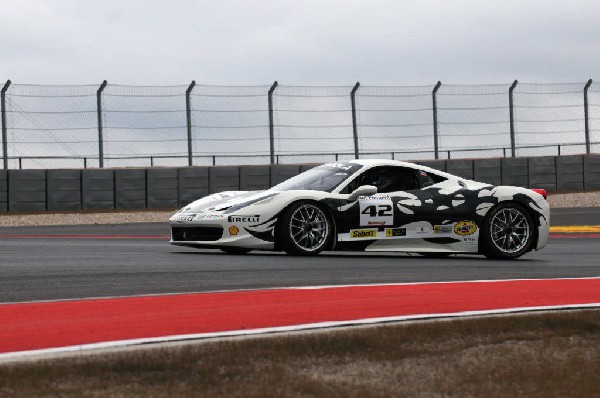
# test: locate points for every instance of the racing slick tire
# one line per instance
(305, 230)
(508, 232)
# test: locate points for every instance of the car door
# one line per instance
(399, 201)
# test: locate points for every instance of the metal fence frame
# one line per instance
(274, 158)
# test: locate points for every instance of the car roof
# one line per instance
(389, 162)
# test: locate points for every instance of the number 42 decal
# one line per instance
(376, 212)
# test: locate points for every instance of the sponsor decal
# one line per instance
(339, 166)
(244, 219)
(422, 230)
(469, 240)
(464, 228)
(376, 211)
(373, 197)
(363, 233)
(182, 218)
(233, 230)
(209, 217)
(390, 232)
(442, 229)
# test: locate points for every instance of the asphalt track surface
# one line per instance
(120, 260)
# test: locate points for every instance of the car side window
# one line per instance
(427, 179)
(386, 179)
(352, 185)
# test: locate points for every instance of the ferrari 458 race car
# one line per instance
(369, 205)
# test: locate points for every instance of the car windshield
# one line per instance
(323, 178)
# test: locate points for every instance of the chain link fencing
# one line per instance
(230, 124)
(473, 121)
(395, 122)
(312, 124)
(594, 117)
(142, 124)
(139, 126)
(50, 125)
(549, 119)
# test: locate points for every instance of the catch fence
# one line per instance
(106, 125)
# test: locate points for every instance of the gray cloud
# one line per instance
(298, 42)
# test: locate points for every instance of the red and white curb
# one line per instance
(39, 328)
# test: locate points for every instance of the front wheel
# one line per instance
(508, 232)
(305, 229)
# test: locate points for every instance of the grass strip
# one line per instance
(534, 355)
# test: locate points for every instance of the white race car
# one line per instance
(370, 205)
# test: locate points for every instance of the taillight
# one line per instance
(541, 192)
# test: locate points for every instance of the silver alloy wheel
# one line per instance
(308, 227)
(509, 230)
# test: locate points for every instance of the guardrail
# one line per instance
(214, 160)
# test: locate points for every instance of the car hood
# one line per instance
(224, 200)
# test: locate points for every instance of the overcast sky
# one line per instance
(302, 42)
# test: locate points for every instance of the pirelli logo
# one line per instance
(363, 233)
(247, 219)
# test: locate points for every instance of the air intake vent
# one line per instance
(195, 234)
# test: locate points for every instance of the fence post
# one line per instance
(512, 119)
(354, 126)
(435, 122)
(4, 129)
(188, 114)
(588, 147)
(271, 127)
(100, 133)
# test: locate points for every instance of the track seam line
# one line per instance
(316, 287)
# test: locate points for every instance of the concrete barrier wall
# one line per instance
(64, 190)
(254, 178)
(569, 173)
(27, 190)
(515, 171)
(281, 172)
(435, 164)
(488, 171)
(591, 172)
(163, 188)
(98, 189)
(193, 184)
(130, 189)
(3, 191)
(169, 188)
(224, 178)
(542, 173)
(460, 167)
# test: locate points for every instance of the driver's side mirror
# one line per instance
(364, 190)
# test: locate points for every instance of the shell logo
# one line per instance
(233, 230)
(464, 228)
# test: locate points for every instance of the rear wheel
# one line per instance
(508, 232)
(305, 229)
